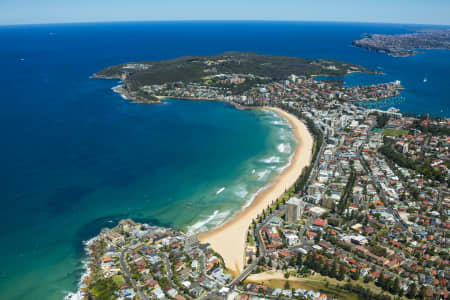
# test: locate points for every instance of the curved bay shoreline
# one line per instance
(229, 239)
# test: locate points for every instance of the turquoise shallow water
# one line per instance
(75, 156)
(183, 164)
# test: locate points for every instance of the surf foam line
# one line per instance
(217, 219)
(283, 148)
(262, 174)
(260, 190)
(273, 181)
(291, 157)
(241, 191)
(78, 295)
(271, 160)
(279, 123)
(116, 90)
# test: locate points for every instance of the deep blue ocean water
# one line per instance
(76, 157)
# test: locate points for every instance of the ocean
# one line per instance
(77, 157)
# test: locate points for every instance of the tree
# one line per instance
(325, 269)
(341, 274)
(287, 286)
(388, 283)
(395, 289)
(355, 275)
(422, 293)
(381, 282)
(318, 237)
(262, 261)
(333, 271)
(412, 291)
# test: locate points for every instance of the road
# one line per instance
(315, 167)
(304, 228)
(258, 227)
(261, 245)
(129, 276)
(243, 275)
(170, 275)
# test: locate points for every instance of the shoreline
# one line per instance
(87, 265)
(229, 240)
(236, 105)
(124, 95)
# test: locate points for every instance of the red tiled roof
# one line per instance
(311, 234)
(320, 222)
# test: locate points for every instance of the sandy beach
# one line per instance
(266, 276)
(229, 240)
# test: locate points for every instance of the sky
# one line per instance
(68, 11)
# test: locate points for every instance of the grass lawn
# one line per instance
(251, 241)
(395, 132)
(118, 280)
(318, 283)
(314, 284)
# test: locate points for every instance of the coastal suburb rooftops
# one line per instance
(320, 222)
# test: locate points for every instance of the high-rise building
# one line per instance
(294, 210)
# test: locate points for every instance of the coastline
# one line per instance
(88, 270)
(126, 96)
(229, 240)
(236, 105)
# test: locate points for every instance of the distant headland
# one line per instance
(239, 77)
(404, 45)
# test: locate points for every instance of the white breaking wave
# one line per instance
(284, 148)
(271, 115)
(79, 295)
(279, 123)
(253, 171)
(241, 191)
(262, 174)
(115, 89)
(216, 218)
(250, 200)
(220, 191)
(281, 169)
(271, 160)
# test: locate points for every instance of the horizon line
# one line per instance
(217, 20)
